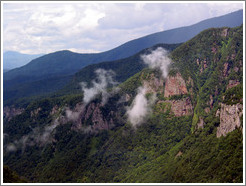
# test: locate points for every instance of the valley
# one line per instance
(172, 113)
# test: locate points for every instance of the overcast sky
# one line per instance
(35, 28)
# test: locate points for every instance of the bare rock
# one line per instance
(10, 112)
(217, 113)
(207, 110)
(225, 70)
(154, 84)
(35, 112)
(179, 154)
(229, 118)
(224, 32)
(197, 62)
(175, 85)
(181, 107)
(236, 69)
(211, 101)
(54, 110)
(232, 83)
(214, 50)
(201, 123)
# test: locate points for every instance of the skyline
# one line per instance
(34, 28)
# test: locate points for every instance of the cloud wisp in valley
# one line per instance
(104, 79)
(141, 107)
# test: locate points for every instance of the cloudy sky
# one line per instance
(43, 27)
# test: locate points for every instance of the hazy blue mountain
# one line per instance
(6, 70)
(26, 87)
(12, 59)
(66, 62)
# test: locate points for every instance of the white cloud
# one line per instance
(48, 27)
(140, 108)
(158, 59)
(104, 78)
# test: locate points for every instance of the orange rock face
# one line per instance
(175, 85)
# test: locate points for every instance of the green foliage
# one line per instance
(234, 95)
(10, 176)
(164, 148)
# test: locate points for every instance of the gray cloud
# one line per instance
(72, 115)
(93, 27)
(99, 85)
(38, 136)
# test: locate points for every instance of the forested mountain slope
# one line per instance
(180, 120)
(19, 89)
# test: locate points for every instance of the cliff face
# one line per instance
(182, 107)
(154, 84)
(10, 112)
(86, 117)
(175, 85)
(94, 119)
(229, 118)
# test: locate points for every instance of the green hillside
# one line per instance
(192, 132)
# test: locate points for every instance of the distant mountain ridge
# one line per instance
(189, 131)
(66, 62)
(23, 87)
(13, 59)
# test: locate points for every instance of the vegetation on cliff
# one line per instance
(45, 144)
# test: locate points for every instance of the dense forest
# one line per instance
(192, 131)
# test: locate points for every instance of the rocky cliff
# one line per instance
(230, 118)
(175, 85)
(10, 112)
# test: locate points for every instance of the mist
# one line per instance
(104, 79)
(72, 115)
(140, 108)
(158, 59)
(38, 136)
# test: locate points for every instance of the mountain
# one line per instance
(66, 62)
(19, 88)
(184, 125)
(123, 68)
(5, 70)
(12, 59)
(52, 72)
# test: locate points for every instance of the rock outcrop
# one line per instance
(10, 112)
(182, 107)
(226, 69)
(96, 118)
(232, 83)
(229, 118)
(201, 123)
(35, 112)
(154, 84)
(90, 116)
(224, 32)
(175, 85)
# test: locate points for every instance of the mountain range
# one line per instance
(178, 119)
(12, 59)
(52, 72)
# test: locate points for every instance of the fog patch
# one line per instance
(104, 79)
(158, 59)
(72, 115)
(38, 136)
(140, 107)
